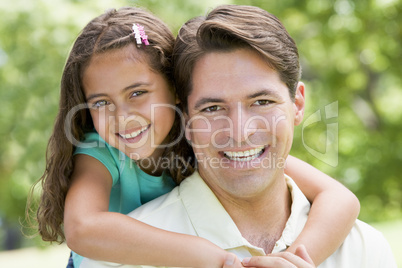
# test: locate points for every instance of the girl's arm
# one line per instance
(333, 212)
(93, 232)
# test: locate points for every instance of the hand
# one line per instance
(231, 261)
(301, 251)
(300, 259)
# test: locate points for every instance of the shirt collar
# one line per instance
(297, 219)
(212, 222)
(208, 216)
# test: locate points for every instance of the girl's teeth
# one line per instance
(134, 134)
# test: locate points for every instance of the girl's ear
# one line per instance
(187, 127)
(176, 98)
(299, 103)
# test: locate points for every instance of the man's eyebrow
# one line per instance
(203, 101)
(133, 86)
(264, 92)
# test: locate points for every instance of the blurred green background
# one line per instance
(351, 54)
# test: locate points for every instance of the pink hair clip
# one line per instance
(139, 35)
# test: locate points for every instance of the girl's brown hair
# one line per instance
(111, 30)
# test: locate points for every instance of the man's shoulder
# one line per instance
(168, 201)
(373, 240)
(363, 247)
(158, 205)
(169, 211)
(366, 234)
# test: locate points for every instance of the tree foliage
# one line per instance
(350, 53)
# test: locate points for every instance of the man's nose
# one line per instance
(243, 123)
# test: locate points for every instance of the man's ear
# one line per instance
(299, 103)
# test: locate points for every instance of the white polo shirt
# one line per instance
(192, 208)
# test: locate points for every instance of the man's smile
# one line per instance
(244, 156)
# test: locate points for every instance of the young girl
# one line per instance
(107, 157)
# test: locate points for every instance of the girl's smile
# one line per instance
(130, 135)
(132, 106)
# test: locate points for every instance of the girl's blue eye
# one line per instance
(213, 108)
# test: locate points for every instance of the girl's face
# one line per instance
(132, 106)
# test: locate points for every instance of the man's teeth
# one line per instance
(134, 134)
(245, 155)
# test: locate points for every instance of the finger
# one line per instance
(301, 251)
(267, 262)
(232, 261)
(293, 259)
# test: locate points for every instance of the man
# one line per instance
(239, 86)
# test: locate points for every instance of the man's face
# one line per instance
(240, 122)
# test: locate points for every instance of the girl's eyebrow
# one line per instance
(94, 96)
(133, 86)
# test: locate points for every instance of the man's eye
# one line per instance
(99, 104)
(213, 108)
(262, 102)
